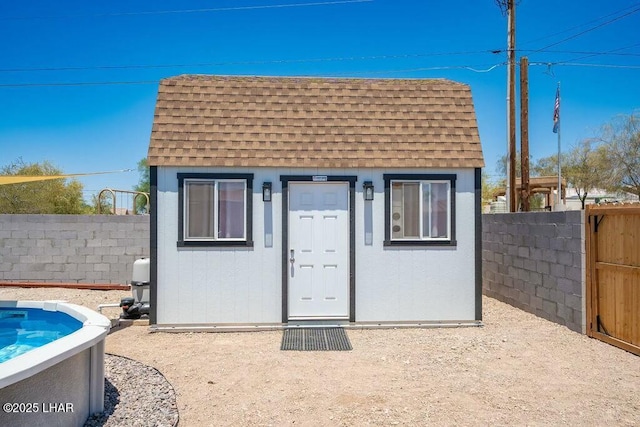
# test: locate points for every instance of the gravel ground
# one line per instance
(516, 370)
(135, 395)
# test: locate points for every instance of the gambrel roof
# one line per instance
(229, 121)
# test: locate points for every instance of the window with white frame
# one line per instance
(419, 209)
(215, 209)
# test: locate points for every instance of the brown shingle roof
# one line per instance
(314, 122)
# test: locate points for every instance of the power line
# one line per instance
(572, 62)
(229, 63)
(60, 84)
(144, 82)
(576, 64)
(408, 70)
(592, 54)
(581, 25)
(206, 10)
(588, 30)
(579, 64)
(312, 60)
(309, 60)
(351, 73)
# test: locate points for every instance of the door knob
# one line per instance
(292, 258)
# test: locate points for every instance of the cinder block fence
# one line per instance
(71, 248)
(536, 261)
(533, 261)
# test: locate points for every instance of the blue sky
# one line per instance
(78, 79)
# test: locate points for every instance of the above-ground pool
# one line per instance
(23, 329)
(51, 363)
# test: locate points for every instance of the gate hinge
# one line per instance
(601, 327)
(596, 222)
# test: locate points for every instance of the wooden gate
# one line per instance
(613, 274)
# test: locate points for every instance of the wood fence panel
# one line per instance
(613, 275)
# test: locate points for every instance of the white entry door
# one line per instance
(318, 250)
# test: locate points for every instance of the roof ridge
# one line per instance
(306, 77)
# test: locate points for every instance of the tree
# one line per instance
(546, 166)
(144, 185)
(54, 196)
(103, 205)
(621, 140)
(585, 168)
(488, 188)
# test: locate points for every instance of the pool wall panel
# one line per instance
(65, 385)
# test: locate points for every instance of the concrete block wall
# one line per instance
(536, 261)
(72, 248)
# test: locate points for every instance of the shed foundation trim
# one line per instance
(178, 328)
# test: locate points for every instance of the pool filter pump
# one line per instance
(138, 305)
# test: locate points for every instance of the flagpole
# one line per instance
(559, 190)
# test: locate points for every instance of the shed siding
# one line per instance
(218, 285)
(416, 283)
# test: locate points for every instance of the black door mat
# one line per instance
(315, 339)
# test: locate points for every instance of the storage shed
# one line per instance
(286, 200)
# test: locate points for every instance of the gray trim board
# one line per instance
(352, 252)
(285, 240)
(478, 242)
(285, 179)
(153, 245)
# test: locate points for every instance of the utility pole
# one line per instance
(524, 134)
(511, 101)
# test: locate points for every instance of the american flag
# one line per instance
(556, 112)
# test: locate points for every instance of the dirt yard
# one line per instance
(516, 370)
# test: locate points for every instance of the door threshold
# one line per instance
(317, 323)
